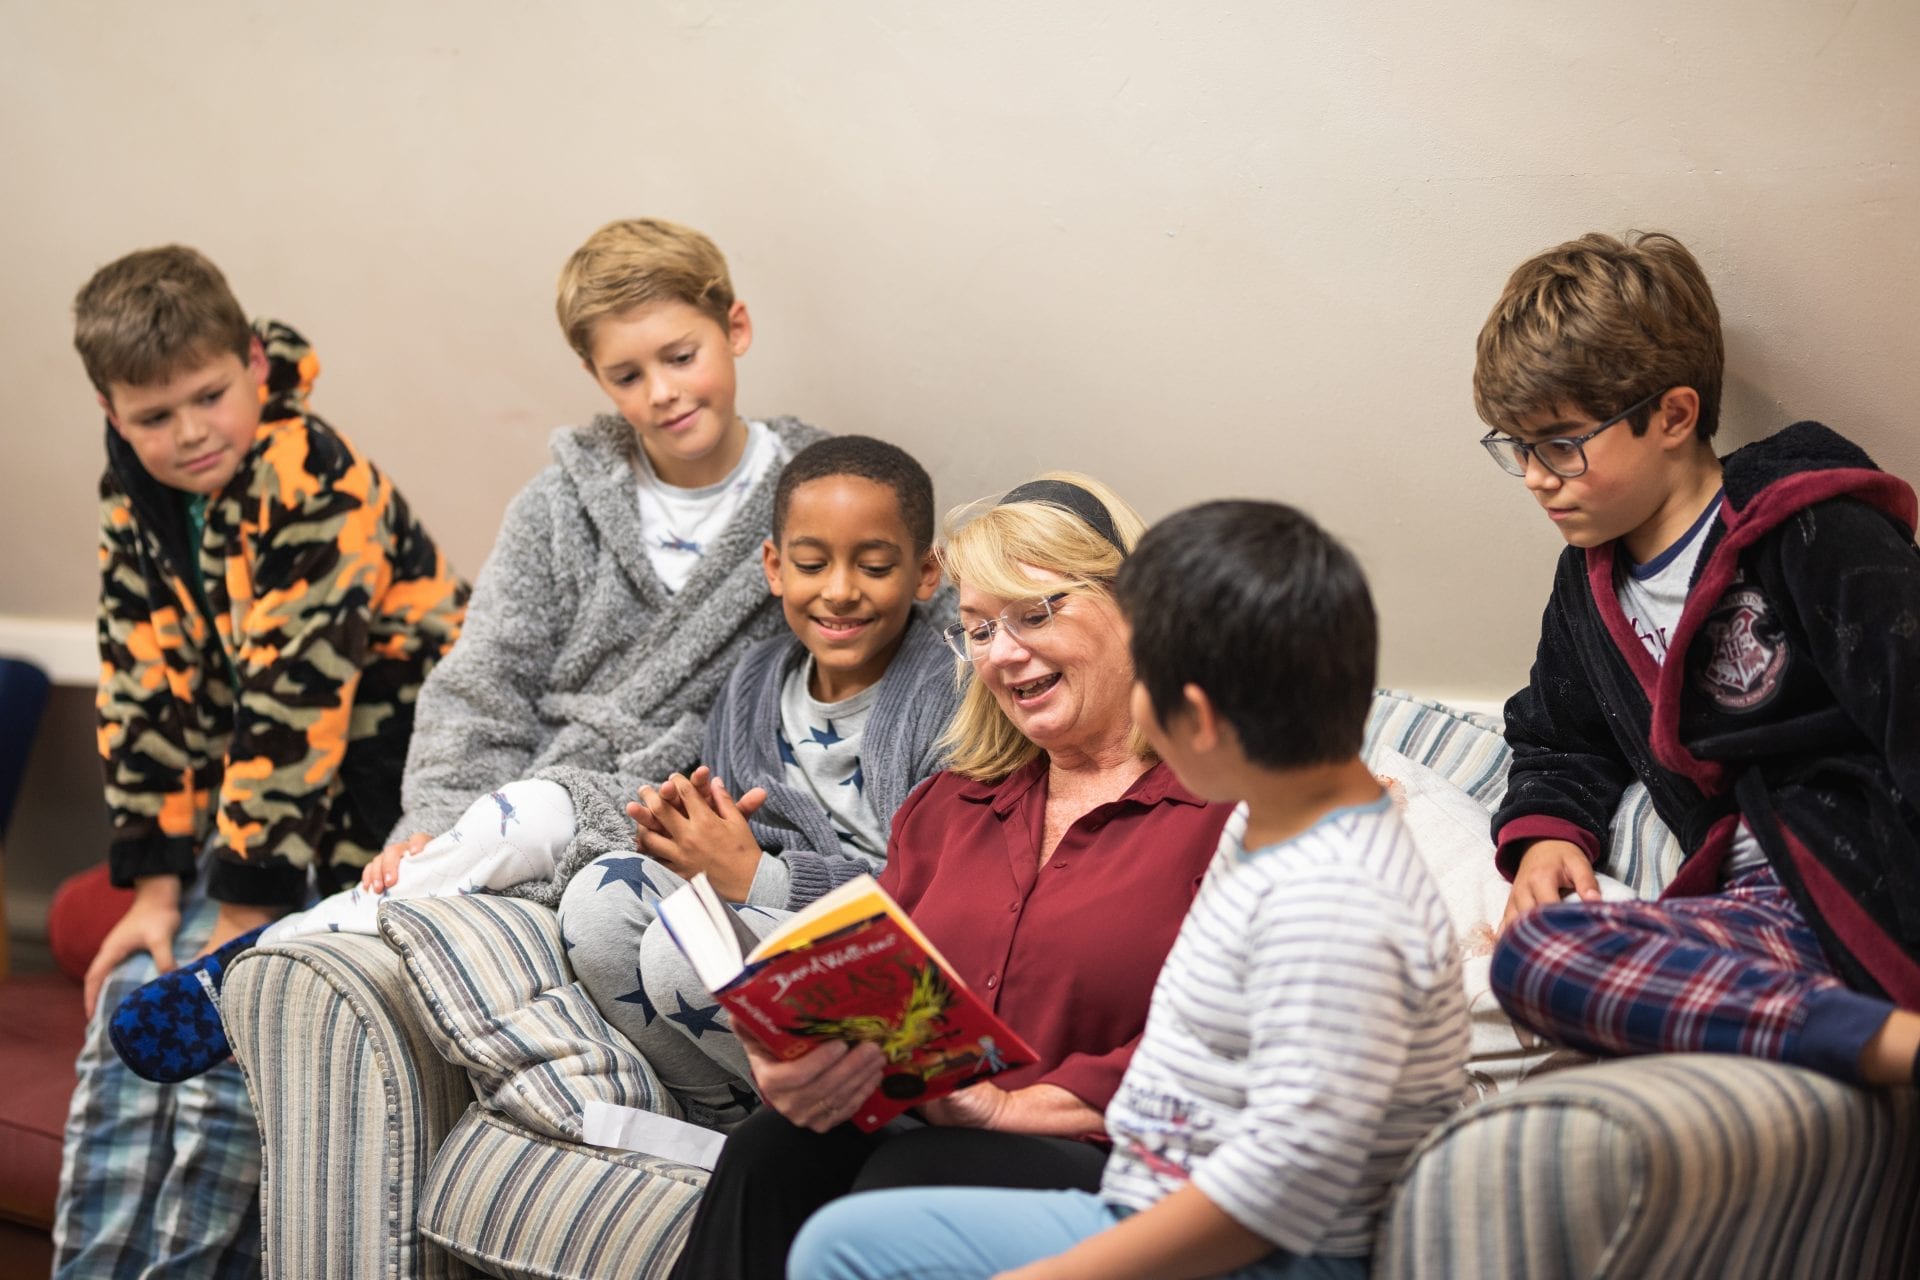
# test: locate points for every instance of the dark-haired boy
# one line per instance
(269, 609)
(1743, 635)
(1309, 1025)
(830, 725)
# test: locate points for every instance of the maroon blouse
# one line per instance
(1067, 953)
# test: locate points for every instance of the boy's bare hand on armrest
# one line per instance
(821, 1088)
(1547, 871)
(688, 835)
(148, 925)
(379, 875)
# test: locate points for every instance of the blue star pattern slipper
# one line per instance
(170, 1030)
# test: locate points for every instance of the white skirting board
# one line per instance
(27, 915)
(64, 650)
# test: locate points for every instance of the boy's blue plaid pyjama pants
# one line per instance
(1739, 971)
(157, 1180)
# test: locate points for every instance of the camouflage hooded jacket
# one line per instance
(275, 708)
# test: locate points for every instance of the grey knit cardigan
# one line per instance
(899, 749)
(576, 662)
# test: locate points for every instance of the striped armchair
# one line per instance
(379, 1162)
(1679, 1165)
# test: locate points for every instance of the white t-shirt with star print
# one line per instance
(679, 524)
(820, 748)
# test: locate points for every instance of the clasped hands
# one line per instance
(693, 824)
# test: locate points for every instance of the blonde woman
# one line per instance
(1052, 863)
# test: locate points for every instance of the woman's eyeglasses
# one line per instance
(1021, 619)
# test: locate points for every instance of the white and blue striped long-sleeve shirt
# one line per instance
(1309, 1027)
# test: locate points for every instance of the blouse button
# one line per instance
(1013, 906)
(993, 980)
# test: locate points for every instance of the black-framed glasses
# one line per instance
(1565, 456)
(1021, 619)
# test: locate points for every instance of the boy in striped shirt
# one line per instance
(1309, 1025)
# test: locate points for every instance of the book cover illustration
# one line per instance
(854, 968)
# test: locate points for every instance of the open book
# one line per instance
(850, 967)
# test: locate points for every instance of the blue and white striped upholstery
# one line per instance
(1680, 1166)
(495, 997)
(1468, 750)
(353, 1105)
(1464, 747)
(1656, 1167)
(523, 1206)
(1675, 1166)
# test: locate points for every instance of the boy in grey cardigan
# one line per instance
(831, 726)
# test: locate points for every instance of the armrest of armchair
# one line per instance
(353, 1104)
(1678, 1165)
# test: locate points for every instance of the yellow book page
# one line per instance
(857, 900)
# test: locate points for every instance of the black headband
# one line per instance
(1072, 497)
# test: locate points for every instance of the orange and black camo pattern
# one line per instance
(273, 705)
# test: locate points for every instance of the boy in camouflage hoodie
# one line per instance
(269, 609)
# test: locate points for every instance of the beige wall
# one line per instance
(1199, 250)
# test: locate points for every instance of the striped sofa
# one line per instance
(379, 1161)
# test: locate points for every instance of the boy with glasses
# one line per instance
(1742, 635)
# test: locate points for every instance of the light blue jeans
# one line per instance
(970, 1233)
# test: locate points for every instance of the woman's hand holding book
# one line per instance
(821, 1088)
